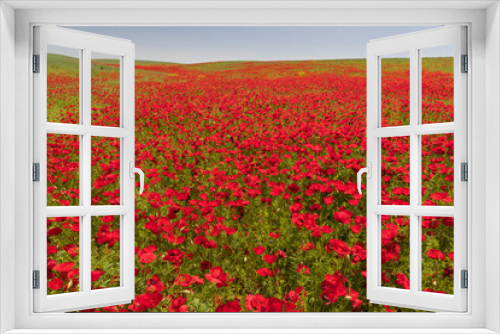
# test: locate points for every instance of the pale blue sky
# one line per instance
(209, 44)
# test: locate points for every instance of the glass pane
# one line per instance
(63, 85)
(437, 84)
(395, 250)
(105, 171)
(105, 250)
(105, 89)
(63, 255)
(437, 169)
(395, 92)
(437, 254)
(395, 171)
(63, 170)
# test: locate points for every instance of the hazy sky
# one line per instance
(208, 44)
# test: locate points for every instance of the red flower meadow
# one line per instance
(251, 167)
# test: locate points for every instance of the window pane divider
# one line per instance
(74, 211)
(433, 129)
(415, 170)
(76, 129)
(418, 210)
(422, 129)
(103, 131)
(86, 174)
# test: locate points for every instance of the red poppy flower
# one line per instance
(338, 246)
(259, 250)
(155, 284)
(95, 275)
(332, 288)
(303, 269)
(217, 276)
(307, 247)
(328, 200)
(177, 305)
(64, 267)
(255, 303)
(146, 301)
(175, 256)
(147, 255)
(267, 272)
(205, 265)
(186, 280)
(390, 233)
(296, 207)
(356, 229)
(343, 216)
(402, 280)
(269, 258)
(274, 235)
(55, 284)
(51, 250)
(231, 306)
(263, 272)
(435, 254)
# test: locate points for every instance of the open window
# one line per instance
(404, 195)
(80, 151)
(89, 144)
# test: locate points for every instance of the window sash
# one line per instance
(86, 43)
(414, 298)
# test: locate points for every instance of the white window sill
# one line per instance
(251, 331)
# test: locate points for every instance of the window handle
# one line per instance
(368, 171)
(139, 171)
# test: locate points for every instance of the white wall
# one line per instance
(7, 160)
(493, 163)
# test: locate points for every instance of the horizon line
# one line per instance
(245, 61)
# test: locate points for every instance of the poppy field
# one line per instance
(250, 200)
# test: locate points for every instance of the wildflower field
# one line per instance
(250, 200)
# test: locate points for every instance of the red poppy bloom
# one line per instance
(269, 258)
(55, 284)
(155, 284)
(435, 254)
(217, 276)
(259, 250)
(205, 265)
(147, 255)
(274, 235)
(230, 306)
(333, 288)
(96, 274)
(403, 281)
(303, 269)
(64, 267)
(328, 200)
(338, 246)
(186, 280)
(177, 305)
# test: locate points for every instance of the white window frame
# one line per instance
(484, 212)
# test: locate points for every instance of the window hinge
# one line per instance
(465, 279)
(36, 172)
(36, 279)
(465, 64)
(36, 63)
(464, 173)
